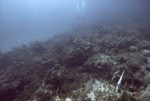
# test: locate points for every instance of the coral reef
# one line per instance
(80, 65)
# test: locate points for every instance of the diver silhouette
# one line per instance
(80, 6)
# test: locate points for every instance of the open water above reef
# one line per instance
(23, 21)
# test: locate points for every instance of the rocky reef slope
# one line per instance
(80, 66)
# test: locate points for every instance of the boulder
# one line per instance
(133, 49)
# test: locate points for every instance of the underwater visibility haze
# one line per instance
(74, 50)
(22, 21)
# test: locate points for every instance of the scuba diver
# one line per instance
(80, 6)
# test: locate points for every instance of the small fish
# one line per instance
(119, 82)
